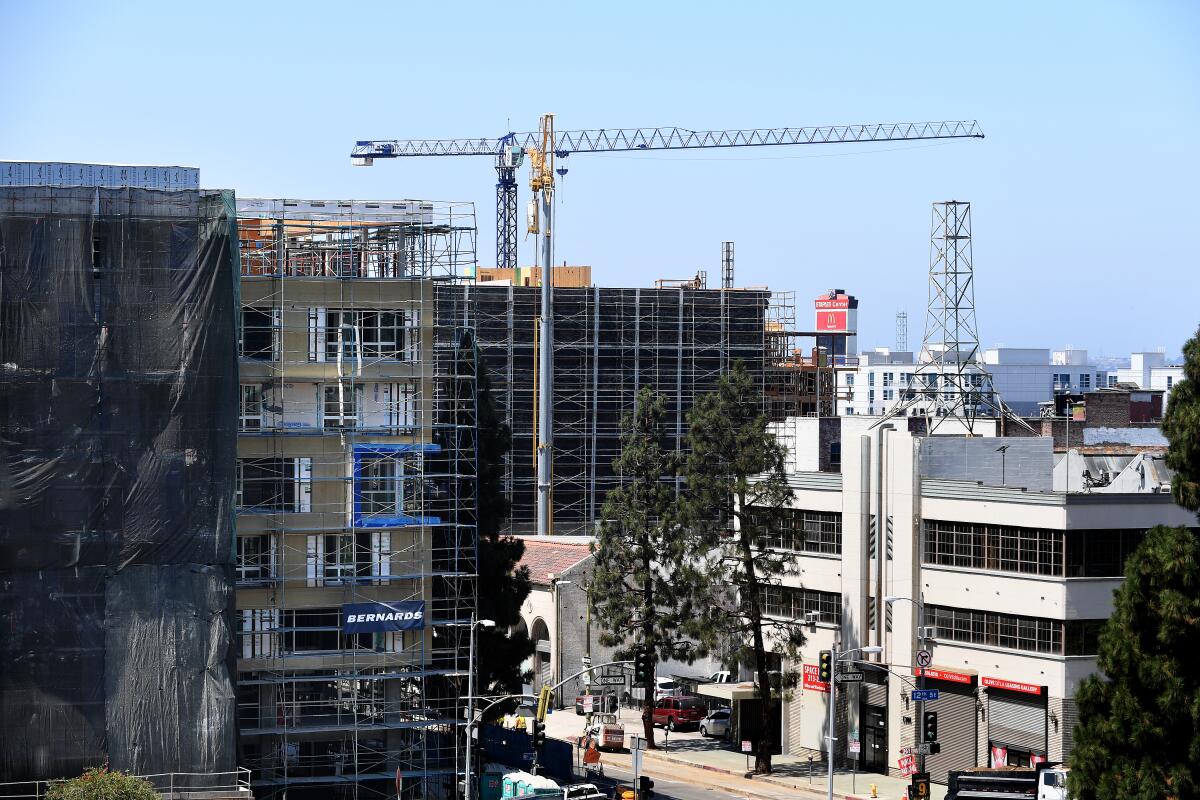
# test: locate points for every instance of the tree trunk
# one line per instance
(753, 599)
(648, 644)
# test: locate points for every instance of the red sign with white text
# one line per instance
(837, 301)
(907, 765)
(944, 675)
(812, 679)
(1012, 686)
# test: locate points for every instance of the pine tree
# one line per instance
(502, 649)
(1138, 735)
(649, 589)
(734, 474)
(1182, 428)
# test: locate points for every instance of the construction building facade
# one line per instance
(608, 344)
(355, 485)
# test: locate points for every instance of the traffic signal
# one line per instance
(643, 666)
(539, 733)
(645, 788)
(825, 670)
(929, 727)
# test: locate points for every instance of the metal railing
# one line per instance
(168, 784)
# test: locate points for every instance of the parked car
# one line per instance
(723, 676)
(663, 687)
(601, 704)
(716, 724)
(678, 712)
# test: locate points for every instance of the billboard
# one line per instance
(380, 617)
(836, 312)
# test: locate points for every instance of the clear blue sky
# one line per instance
(1083, 192)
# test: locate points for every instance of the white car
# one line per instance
(663, 687)
(720, 677)
(716, 723)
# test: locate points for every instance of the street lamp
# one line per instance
(836, 657)
(471, 668)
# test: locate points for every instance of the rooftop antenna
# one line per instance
(950, 382)
(726, 265)
(901, 331)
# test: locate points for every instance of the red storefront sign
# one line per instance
(812, 679)
(1012, 686)
(944, 675)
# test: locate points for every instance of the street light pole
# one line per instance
(833, 659)
(471, 667)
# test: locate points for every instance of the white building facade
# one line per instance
(1149, 371)
(1024, 377)
(1014, 579)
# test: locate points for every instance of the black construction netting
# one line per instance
(118, 425)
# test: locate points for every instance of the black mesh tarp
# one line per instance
(118, 378)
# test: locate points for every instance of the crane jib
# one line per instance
(619, 139)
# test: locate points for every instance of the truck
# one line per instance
(1045, 781)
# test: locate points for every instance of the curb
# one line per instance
(783, 783)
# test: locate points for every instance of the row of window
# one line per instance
(1015, 632)
(341, 407)
(799, 530)
(272, 631)
(1086, 553)
(335, 335)
(383, 487)
(331, 559)
(797, 603)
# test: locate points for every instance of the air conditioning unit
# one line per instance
(927, 632)
(812, 617)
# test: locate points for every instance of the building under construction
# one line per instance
(355, 485)
(608, 344)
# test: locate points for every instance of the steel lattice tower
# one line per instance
(951, 382)
(901, 331)
(506, 215)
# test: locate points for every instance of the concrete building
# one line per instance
(1024, 378)
(1148, 371)
(1012, 577)
(355, 485)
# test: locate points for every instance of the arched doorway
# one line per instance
(541, 655)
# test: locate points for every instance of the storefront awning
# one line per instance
(730, 692)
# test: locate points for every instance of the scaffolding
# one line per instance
(608, 344)
(355, 483)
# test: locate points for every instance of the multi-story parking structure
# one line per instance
(355, 483)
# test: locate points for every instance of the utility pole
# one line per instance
(541, 181)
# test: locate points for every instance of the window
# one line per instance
(1082, 636)
(1085, 380)
(887, 394)
(849, 411)
(1032, 634)
(310, 630)
(849, 380)
(799, 530)
(337, 334)
(1112, 379)
(1170, 380)
(340, 405)
(796, 603)
(381, 488)
(1032, 551)
(870, 379)
(334, 559)
(1100, 553)
(403, 405)
(255, 559)
(887, 378)
(871, 396)
(250, 407)
(274, 484)
(259, 334)
(258, 632)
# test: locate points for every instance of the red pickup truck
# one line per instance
(679, 712)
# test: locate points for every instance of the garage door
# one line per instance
(1017, 719)
(957, 728)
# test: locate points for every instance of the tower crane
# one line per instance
(544, 145)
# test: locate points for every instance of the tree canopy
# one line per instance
(101, 783)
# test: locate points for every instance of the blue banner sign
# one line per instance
(925, 694)
(379, 617)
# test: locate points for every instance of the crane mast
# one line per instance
(543, 145)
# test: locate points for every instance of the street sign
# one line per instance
(747, 746)
(637, 743)
(587, 704)
(637, 761)
(855, 747)
(610, 680)
(925, 694)
(848, 677)
(907, 765)
(924, 658)
(929, 748)
(906, 751)
(587, 661)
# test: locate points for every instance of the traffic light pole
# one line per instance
(832, 738)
